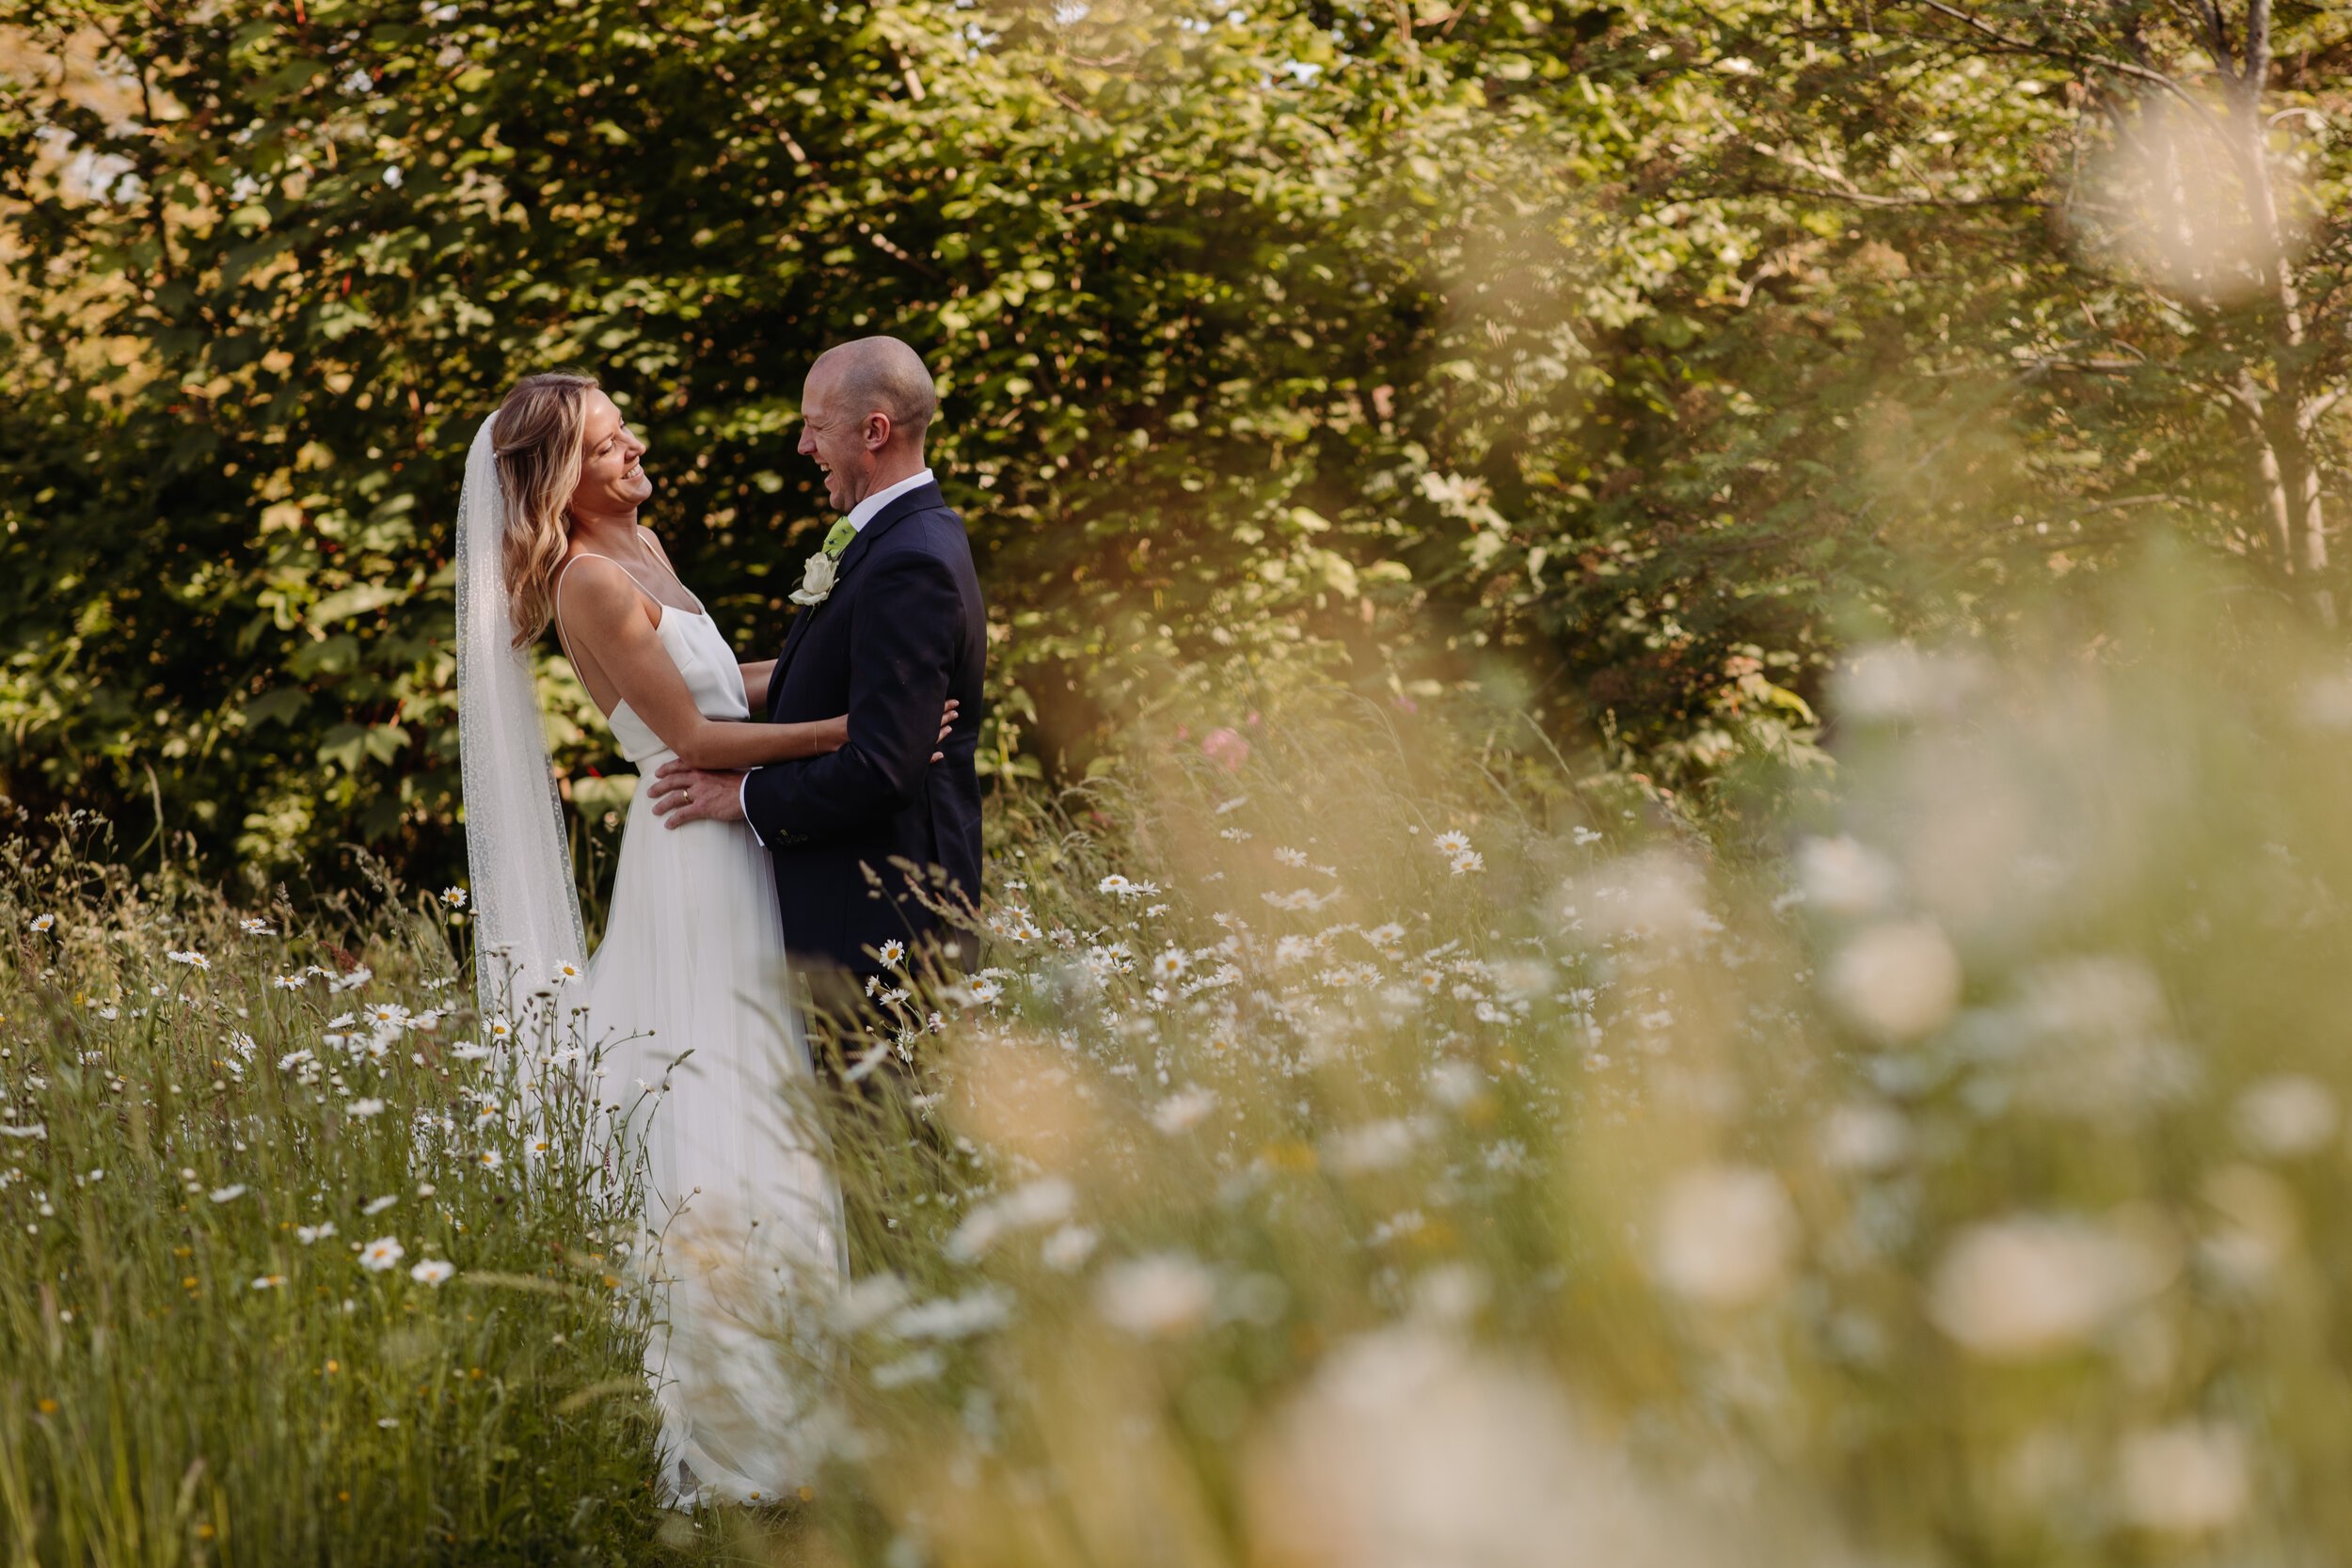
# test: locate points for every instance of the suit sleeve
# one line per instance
(902, 646)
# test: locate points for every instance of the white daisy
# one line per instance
(432, 1271)
(1067, 1247)
(1183, 1110)
(44, 922)
(381, 1254)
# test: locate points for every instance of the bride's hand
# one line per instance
(947, 723)
(836, 733)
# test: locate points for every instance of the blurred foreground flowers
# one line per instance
(1951, 1183)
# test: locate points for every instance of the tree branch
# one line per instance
(1863, 199)
(2072, 58)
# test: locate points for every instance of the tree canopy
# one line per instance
(1621, 361)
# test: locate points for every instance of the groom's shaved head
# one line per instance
(881, 375)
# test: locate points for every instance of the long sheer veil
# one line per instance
(526, 907)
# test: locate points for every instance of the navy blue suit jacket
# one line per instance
(902, 631)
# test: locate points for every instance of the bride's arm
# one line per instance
(605, 618)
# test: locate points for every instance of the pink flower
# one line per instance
(1226, 748)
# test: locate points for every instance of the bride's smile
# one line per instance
(612, 477)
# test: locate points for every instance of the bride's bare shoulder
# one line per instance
(595, 590)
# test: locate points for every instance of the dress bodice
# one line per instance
(712, 675)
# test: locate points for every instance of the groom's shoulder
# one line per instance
(935, 528)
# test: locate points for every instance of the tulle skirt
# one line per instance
(741, 1235)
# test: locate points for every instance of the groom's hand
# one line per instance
(682, 794)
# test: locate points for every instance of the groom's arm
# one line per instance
(903, 644)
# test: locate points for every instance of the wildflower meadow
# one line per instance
(1345, 1154)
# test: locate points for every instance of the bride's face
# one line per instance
(611, 477)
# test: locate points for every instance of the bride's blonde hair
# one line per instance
(538, 434)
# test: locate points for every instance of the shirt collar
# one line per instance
(863, 511)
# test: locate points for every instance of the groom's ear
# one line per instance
(878, 431)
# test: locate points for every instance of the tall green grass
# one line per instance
(209, 1109)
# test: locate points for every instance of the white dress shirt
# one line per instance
(863, 511)
(860, 515)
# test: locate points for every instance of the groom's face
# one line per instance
(839, 438)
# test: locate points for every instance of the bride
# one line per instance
(744, 1219)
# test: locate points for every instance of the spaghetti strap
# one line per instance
(555, 610)
(591, 555)
(555, 613)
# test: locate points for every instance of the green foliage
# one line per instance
(1611, 361)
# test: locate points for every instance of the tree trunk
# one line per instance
(2289, 468)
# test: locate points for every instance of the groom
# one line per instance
(891, 628)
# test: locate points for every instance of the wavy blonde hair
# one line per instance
(538, 434)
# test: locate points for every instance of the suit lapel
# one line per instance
(791, 641)
(922, 497)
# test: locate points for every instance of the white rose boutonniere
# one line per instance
(816, 579)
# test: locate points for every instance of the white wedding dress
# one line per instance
(742, 1224)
